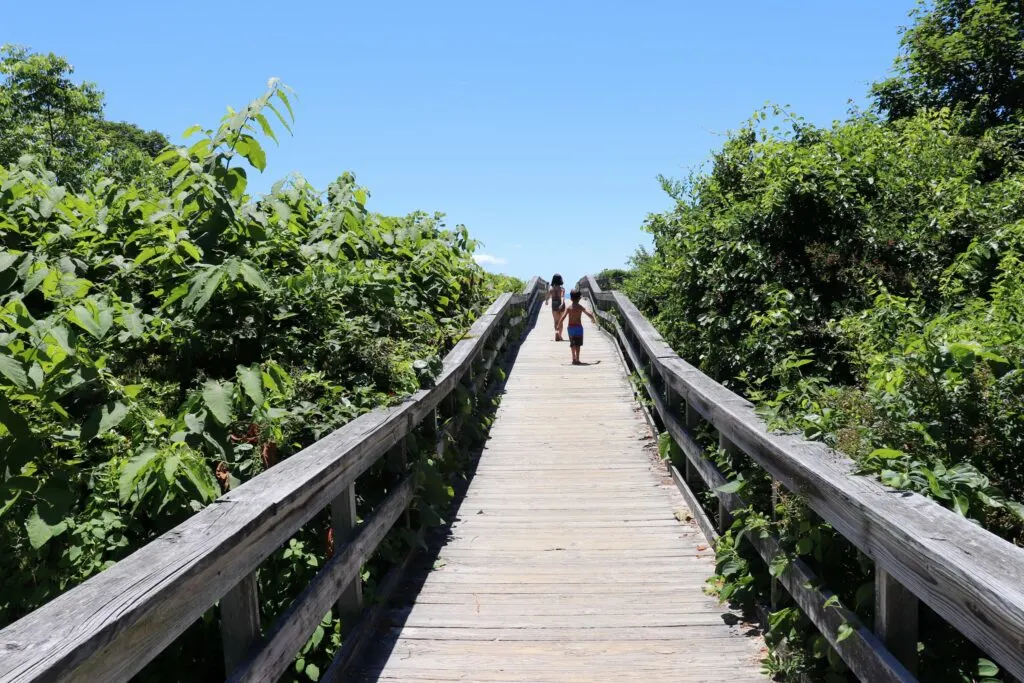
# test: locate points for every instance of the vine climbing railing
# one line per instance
(108, 628)
(921, 551)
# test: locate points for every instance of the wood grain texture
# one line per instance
(971, 578)
(566, 560)
(240, 621)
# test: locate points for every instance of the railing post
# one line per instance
(896, 615)
(724, 518)
(343, 520)
(692, 420)
(239, 621)
(779, 596)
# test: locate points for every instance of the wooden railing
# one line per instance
(108, 628)
(921, 551)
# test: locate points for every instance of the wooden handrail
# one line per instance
(971, 578)
(112, 625)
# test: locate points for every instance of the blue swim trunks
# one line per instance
(575, 335)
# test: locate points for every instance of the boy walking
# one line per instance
(575, 313)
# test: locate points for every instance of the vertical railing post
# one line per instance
(779, 597)
(896, 616)
(343, 521)
(692, 420)
(239, 621)
(724, 518)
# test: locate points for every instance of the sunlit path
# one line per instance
(566, 561)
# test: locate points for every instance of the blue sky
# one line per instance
(540, 125)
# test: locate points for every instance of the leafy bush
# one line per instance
(863, 285)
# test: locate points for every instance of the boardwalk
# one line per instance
(567, 562)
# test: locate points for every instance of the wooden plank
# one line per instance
(696, 510)
(654, 346)
(896, 617)
(343, 521)
(239, 621)
(293, 628)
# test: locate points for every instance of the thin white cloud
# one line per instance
(488, 260)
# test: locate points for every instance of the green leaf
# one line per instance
(217, 398)
(961, 504)
(15, 423)
(48, 203)
(251, 379)
(778, 565)
(886, 453)
(7, 259)
(313, 672)
(202, 287)
(844, 632)
(39, 531)
(265, 125)
(254, 153)
(13, 371)
(35, 373)
(132, 322)
(804, 546)
(987, 668)
(202, 478)
(62, 336)
(196, 423)
(1015, 507)
(252, 276)
(103, 419)
(732, 487)
(133, 471)
(92, 317)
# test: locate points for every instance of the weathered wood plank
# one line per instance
(343, 521)
(239, 621)
(896, 617)
(293, 628)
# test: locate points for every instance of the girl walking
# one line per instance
(556, 294)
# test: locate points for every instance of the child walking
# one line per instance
(575, 313)
(556, 294)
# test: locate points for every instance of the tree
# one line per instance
(42, 112)
(45, 113)
(966, 55)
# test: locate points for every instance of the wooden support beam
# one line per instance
(896, 617)
(239, 621)
(343, 521)
(724, 517)
(690, 473)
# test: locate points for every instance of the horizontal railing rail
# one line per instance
(971, 578)
(112, 625)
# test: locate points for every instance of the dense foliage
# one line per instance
(864, 284)
(165, 336)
